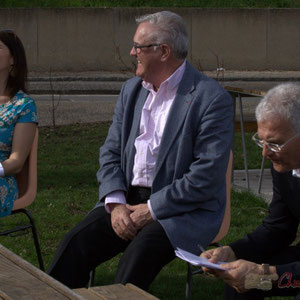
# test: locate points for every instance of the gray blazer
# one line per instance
(188, 192)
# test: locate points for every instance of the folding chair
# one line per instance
(222, 231)
(27, 185)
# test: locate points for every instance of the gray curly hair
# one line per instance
(171, 31)
(281, 101)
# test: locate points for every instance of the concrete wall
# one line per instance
(89, 39)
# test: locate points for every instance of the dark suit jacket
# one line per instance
(278, 229)
(189, 191)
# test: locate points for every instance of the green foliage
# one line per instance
(153, 3)
(67, 190)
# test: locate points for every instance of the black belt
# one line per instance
(138, 194)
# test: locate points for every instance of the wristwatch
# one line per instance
(265, 282)
(260, 281)
(266, 268)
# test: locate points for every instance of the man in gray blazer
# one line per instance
(162, 166)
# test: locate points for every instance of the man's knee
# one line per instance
(151, 243)
(150, 250)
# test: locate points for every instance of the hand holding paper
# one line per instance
(197, 260)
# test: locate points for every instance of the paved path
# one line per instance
(110, 83)
(239, 182)
(70, 109)
(91, 96)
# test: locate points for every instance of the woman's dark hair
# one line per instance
(18, 74)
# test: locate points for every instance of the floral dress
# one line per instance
(20, 109)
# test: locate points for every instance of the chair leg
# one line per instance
(188, 290)
(92, 278)
(262, 168)
(35, 237)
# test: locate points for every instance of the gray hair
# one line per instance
(281, 101)
(171, 31)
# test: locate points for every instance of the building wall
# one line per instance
(90, 39)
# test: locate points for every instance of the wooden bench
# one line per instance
(115, 291)
(21, 280)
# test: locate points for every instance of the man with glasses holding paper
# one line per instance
(265, 263)
(162, 167)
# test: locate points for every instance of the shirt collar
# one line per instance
(171, 82)
(296, 173)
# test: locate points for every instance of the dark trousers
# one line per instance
(93, 241)
(290, 254)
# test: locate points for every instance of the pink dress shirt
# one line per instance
(153, 120)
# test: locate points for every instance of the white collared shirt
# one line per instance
(153, 120)
(296, 173)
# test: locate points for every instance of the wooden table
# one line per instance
(115, 291)
(21, 280)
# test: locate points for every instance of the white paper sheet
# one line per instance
(197, 260)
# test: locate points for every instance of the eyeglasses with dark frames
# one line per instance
(271, 146)
(138, 48)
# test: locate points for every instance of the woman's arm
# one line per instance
(21, 146)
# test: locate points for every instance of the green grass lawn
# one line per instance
(67, 190)
(153, 3)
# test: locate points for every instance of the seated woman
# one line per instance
(18, 118)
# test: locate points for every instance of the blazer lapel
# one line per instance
(177, 115)
(141, 98)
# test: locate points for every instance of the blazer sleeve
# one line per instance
(277, 231)
(110, 175)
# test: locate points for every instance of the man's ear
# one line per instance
(166, 52)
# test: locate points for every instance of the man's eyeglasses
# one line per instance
(271, 146)
(138, 48)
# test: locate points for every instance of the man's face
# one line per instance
(148, 59)
(278, 131)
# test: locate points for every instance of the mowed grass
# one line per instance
(154, 3)
(67, 190)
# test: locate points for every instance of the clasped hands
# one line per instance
(237, 270)
(127, 219)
